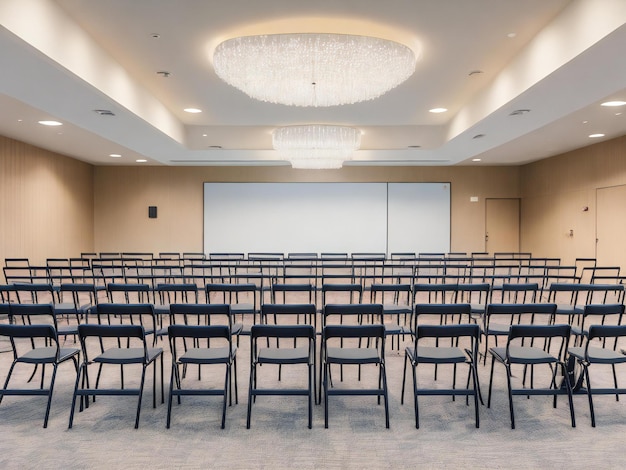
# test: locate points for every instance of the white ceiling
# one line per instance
(63, 59)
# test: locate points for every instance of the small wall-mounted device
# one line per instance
(586, 209)
(152, 212)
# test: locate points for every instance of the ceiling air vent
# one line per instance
(104, 112)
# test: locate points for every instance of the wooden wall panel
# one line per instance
(556, 190)
(46, 203)
(123, 194)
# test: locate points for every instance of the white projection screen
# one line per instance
(326, 217)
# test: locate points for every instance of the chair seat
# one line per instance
(523, 355)
(437, 355)
(47, 355)
(352, 355)
(598, 355)
(162, 309)
(127, 355)
(207, 355)
(67, 330)
(498, 329)
(566, 309)
(242, 308)
(478, 309)
(65, 308)
(393, 309)
(283, 355)
(395, 329)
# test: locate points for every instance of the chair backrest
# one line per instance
(128, 293)
(307, 311)
(292, 293)
(226, 293)
(177, 293)
(344, 293)
(434, 293)
(517, 293)
(82, 294)
(521, 313)
(283, 331)
(519, 333)
(448, 331)
(472, 293)
(595, 314)
(605, 331)
(16, 333)
(176, 333)
(126, 336)
(34, 293)
(199, 314)
(362, 313)
(356, 332)
(33, 313)
(111, 314)
(391, 293)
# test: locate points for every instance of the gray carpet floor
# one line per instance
(103, 435)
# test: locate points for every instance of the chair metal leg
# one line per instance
(325, 382)
(403, 380)
(78, 381)
(311, 393)
(226, 387)
(569, 395)
(508, 381)
(143, 377)
(493, 361)
(250, 388)
(385, 394)
(173, 378)
(415, 405)
(591, 410)
(50, 390)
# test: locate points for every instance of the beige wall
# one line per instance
(46, 203)
(123, 194)
(55, 206)
(554, 193)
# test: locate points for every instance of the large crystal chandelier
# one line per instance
(313, 69)
(316, 146)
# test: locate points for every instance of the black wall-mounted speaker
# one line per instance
(152, 212)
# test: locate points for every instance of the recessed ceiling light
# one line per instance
(215, 146)
(204, 135)
(478, 136)
(511, 35)
(618, 114)
(475, 72)
(155, 35)
(50, 123)
(476, 159)
(613, 103)
(115, 155)
(164, 73)
(141, 160)
(585, 122)
(438, 110)
(519, 112)
(192, 110)
(19, 120)
(595, 136)
(414, 146)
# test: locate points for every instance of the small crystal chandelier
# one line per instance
(313, 69)
(316, 146)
